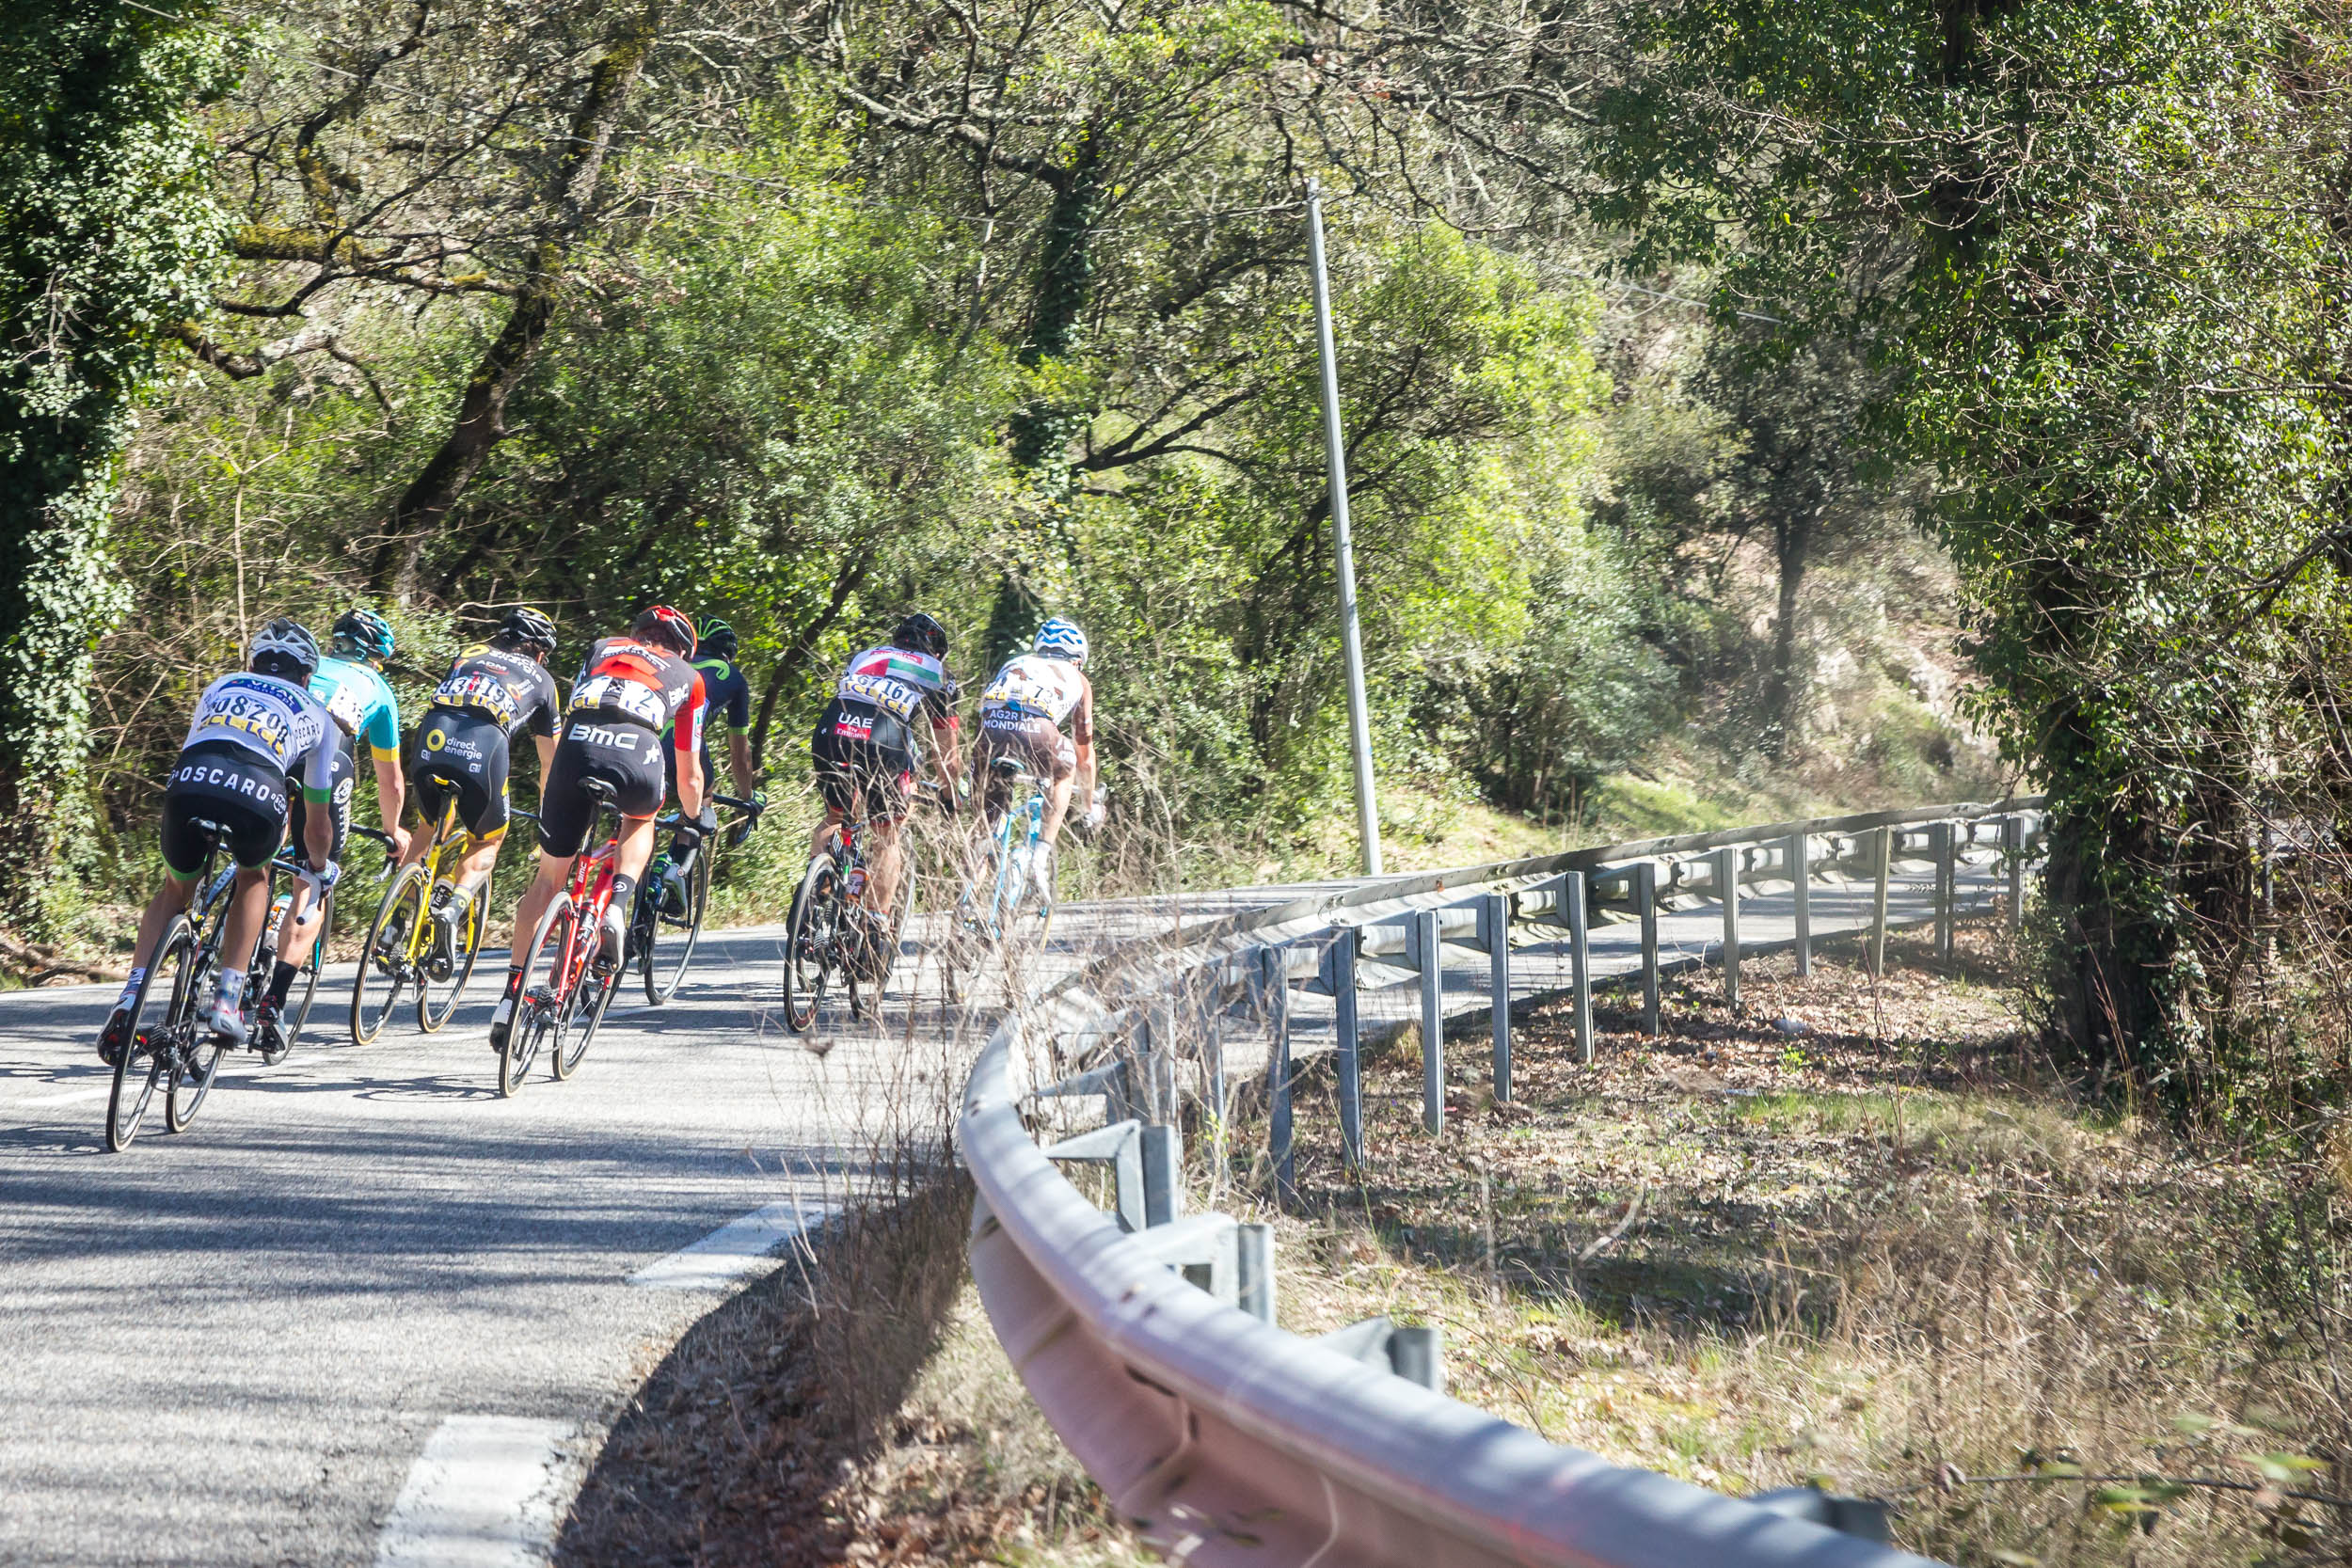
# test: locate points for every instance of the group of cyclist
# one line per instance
(271, 754)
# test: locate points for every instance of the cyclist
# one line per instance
(728, 698)
(1022, 715)
(631, 691)
(350, 682)
(494, 691)
(867, 751)
(251, 731)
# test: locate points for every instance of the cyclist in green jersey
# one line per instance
(728, 696)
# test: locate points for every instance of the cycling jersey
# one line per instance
(728, 693)
(512, 690)
(277, 721)
(1034, 686)
(899, 682)
(624, 678)
(362, 701)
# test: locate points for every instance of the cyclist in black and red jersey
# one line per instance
(630, 691)
(870, 744)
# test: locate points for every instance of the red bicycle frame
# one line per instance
(591, 893)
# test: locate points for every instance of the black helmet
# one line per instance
(284, 647)
(715, 638)
(526, 627)
(918, 633)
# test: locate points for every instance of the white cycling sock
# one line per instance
(131, 988)
(233, 987)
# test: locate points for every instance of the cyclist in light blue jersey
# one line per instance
(350, 684)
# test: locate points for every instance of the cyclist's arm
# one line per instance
(948, 754)
(685, 736)
(546, 756)
(318, 793)
(740, 758)
(1082, 740)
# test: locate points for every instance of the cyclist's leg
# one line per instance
(184, 863)
(300, 928)
(885, 781)
(1058, 765)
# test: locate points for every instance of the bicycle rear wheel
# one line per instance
(540, 1009)
(151, 1046)
(386, 968)
(670, 938)
(432, 1012)
(811, 942)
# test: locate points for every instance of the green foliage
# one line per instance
(107, 240)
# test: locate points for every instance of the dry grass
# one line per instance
(1888, 1254)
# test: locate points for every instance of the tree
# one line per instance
(107, 239)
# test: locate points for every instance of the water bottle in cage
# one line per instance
(855, 884)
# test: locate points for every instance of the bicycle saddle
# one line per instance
(600, 789)
(1007, 768)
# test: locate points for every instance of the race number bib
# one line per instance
(613, 694)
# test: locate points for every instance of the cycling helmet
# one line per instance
(1061, 638)
(526, 627)
(672, 629)
(918, 633)
(365, 633)
(284, 647)
(716, 638)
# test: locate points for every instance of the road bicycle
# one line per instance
(176, 1051)
(1001, 902)
(662, 934)
(401, 950)
(565, 986)
(830, 934)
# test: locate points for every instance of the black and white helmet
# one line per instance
(287, 644)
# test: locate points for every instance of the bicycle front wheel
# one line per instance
(151, 1046)
(670, 938)
(541, 1008)
(811, 942)
(436, 1001)
(388, 962)
(297, 1012)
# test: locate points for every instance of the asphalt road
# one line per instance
(233, 1345)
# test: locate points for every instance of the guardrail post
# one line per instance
(2013, 852)
(1727, 888)
(1577, 889)
(1494, 919)
(1646, 905)
(1348, 1066)
(1941, 840)
(1418, 1356)
(1431, 1021)
(1798, 851)
(1882, 854)
(1162, 1175)
(1254, 1258)
(1274, 991)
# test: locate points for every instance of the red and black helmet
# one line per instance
(672, 629)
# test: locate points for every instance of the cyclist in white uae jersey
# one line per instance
(251, 732)
(1022, 713)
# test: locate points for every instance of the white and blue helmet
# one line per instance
(1061, 639)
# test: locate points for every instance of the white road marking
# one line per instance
(485, 1493)
(736, 1249)
(70, 1096)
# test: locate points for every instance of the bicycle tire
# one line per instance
(536, 1015)
(664, 968)
(408, 889)
(429, 1017)
(809, 942)
(184, 1091)
(591, 998)
(142, 1063)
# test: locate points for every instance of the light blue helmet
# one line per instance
(1061, 638)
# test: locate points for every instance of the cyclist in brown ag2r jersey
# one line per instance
(630, 691)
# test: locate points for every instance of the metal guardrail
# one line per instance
(1227, 1440)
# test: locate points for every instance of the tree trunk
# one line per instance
(1793, 543)
(844, 584)
(424, 506)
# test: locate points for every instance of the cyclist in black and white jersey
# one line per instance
(869, 744)
(251, 732)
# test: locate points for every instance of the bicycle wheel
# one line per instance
(151, 1047)
(670, 939)
(590, 999)
(810, 942)
(433, 1013)
(195, 1060)
(540, 1010)
(385, 963)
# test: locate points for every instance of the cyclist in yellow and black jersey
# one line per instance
(492, 693)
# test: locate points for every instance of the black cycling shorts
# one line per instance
(855, 762)
(624, 754)
(346, 771)
(226, 784)
(463, 754)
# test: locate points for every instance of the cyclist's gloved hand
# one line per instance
(759, 802)
(322, 880)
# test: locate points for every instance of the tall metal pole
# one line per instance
(1335, 449)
